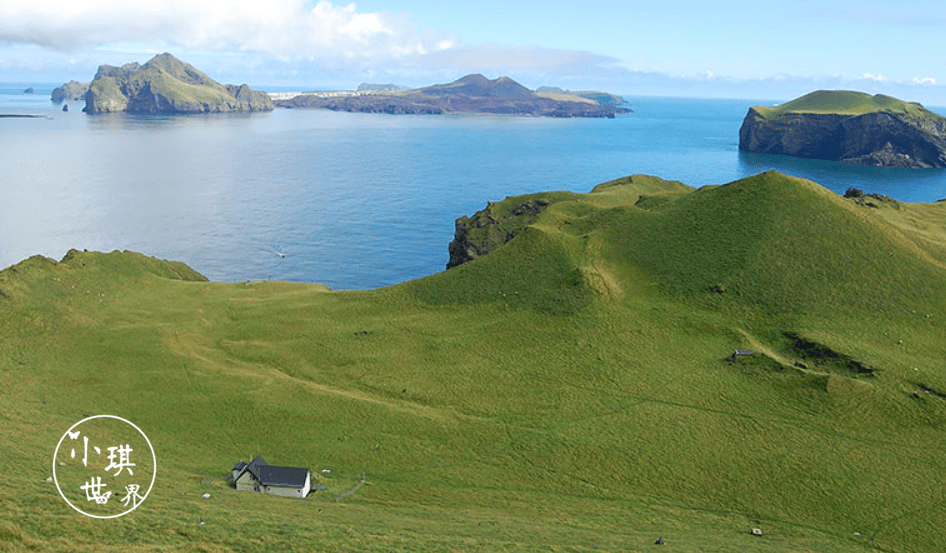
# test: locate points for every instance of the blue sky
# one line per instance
(739, 49)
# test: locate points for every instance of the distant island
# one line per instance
(374, 86)
(847, 126)
(596, 95)
(73, 90)
(165, 84)
(470, 94)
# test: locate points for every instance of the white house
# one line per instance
(259, 476)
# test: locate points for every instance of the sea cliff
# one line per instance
(848, 126)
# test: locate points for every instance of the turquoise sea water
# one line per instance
(352, 200)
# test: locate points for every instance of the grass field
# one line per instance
(570, 391)
(845, 102)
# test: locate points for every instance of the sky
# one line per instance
(737, 49)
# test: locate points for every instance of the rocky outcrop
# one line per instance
(871, 200)
(71, 91)
(911, 137)
(167, 85)
(471, 94)
(490, 228)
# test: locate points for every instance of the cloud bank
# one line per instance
(288, 32)
(282, 28)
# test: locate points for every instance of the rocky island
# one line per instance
(853, 127)
(470, 94)
(73, 90)
(165, 84)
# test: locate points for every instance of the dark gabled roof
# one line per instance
(289, 477)
(253, 467)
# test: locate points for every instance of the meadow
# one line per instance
(570, 391)
(846, 102)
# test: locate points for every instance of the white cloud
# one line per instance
(291, 31)
(282, 28)
(872, 77)
(924, 80)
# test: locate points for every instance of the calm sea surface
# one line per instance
(352, 200)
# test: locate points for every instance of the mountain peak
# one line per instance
(473, 78)
(179, 69)
(165, 61)
(477, 85)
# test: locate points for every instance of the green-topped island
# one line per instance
(852, 127)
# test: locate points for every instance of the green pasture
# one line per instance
(570, 391)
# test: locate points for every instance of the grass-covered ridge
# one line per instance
(569, 390)
(843, 102)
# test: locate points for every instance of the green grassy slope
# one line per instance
(568, 391)
(843, 102)
(161, 82)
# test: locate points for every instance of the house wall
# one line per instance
(291, 492)
(308, 485)
(247, 482)
(281, 491)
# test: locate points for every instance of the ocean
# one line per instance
(353, 201)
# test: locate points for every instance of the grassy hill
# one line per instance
(843, 102)
(570, 391)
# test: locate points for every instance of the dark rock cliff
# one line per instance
(490, 228)
(882, 138)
